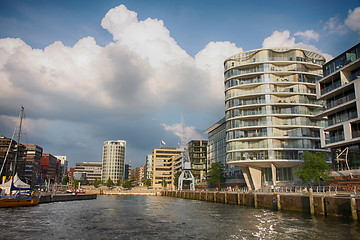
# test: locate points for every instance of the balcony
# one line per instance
(334, 139)
(356, 134)
(342, 100)
(331, 87)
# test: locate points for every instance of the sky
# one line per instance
(92, 71)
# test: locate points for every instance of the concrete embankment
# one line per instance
(347, 206)
(65, 197)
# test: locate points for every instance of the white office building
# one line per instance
(113, 160)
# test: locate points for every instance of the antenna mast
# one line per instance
(186, 174)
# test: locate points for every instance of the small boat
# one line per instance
(16, 193)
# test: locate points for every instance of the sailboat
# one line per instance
(17, 193)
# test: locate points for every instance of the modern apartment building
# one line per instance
(270, 98)
(91, 169)
(340, 88)
(113, 160)
(216, 152)
(197, 154)
(163, 165)
(33, 154)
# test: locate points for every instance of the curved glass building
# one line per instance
(270, 98)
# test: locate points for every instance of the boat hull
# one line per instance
(16, 202)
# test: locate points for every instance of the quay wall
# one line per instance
(65, 197)
(308, 203)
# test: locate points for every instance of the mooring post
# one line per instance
(353, 209)
(311, 199)
(225, 198)
(278, 202)
(255, 200)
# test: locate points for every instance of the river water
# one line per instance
(151, 217)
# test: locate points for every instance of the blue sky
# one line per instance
(91, 71)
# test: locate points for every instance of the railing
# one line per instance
(331, 87)
(342, 118)
(345, 99)
(236, 72)
(356, 134)
(299, 189)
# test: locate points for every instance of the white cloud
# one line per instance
(353, 19)
(283, 39)
(98, 90)
(149, 39)
(279, 39)
(190, 132)
(308, 35)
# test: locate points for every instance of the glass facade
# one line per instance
(270, 99)
(340, 88)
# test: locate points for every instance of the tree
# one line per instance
(176, 178)
(164, 183)
(216, 175)
(109, 183)
(119, 182)
(148, 182)
(96, 183)
(315, 168)
(65, 180)
(75, 183)
(128, 183)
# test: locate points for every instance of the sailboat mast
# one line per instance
(18, 144)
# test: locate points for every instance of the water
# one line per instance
(151, 217)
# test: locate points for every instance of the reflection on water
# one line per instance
(150, 217)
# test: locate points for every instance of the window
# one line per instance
(284, 174)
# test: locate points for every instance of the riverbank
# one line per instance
(340, 205)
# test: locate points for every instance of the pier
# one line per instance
(340, 205)
(49, 198)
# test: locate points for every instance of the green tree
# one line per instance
(164, 183)
(65, 180)
(176, 178)
(96, 183)
(75, 183)
(119, 182)
(216, 175)
(148, 182)
(109, 183)
(128, 183)
(314, 169)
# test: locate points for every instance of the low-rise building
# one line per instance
(162, 166)
(91, 169)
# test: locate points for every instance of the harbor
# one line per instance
(155, 217)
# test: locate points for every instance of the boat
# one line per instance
(16, 193)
